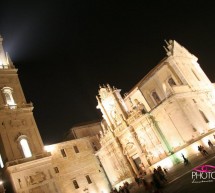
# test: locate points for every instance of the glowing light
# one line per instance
(166, 163)
(9, 97)
(179, 153)
(25, 148)
(205, 140)
(49, 148)
(211, 125)
(1, 162)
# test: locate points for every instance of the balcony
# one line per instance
(24, 160)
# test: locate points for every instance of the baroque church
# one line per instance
(169, 112)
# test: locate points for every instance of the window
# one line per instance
(203, 116)
(171, 82)
(1, 162)
(56, 169)
(63, 153)
(25, 148)
(7, 92)
(19, 181)
(94, 147)
(195, 75)
(156, 97)
(75, 183)
(23, 142)
(88, 179)
(76, 149)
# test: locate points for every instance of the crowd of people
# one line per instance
(122, 189)
(157, 180)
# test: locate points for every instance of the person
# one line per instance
(211, 145)
(147, 186)
(186, 162)
(121, 190)
(137, 180)
(161, 174)
(156, 182)
(202, 150)
(165, 170)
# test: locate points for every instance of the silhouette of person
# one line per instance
(185, 159)
(210, 144)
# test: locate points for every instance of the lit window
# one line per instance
(1, 162)
(76, 149)
(25, 147)
(75, 183)
(63, 153)
(23, 142)
(1, 64)
(88, 179)
(156, 97)
(7, 92)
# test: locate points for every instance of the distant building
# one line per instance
(91, 130)
(169, 112)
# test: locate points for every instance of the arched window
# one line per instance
(1, 162)
(7, 92)
(156, 97)
(23, 142)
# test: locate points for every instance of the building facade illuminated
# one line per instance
(67, 167)
(169, 112)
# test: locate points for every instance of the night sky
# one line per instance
(65, 49)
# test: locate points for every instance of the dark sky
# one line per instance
(65, 49)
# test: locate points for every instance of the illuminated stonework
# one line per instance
(67, 167)
(170, 111)
(76, 168)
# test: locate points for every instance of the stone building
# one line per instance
(77, 169)
(91, 130)
(169, 112)
(69, 167)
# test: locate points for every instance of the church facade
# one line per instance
(169, 112)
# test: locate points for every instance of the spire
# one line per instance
(5, 61)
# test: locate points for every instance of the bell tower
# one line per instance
(19, 135)
(23, 160)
